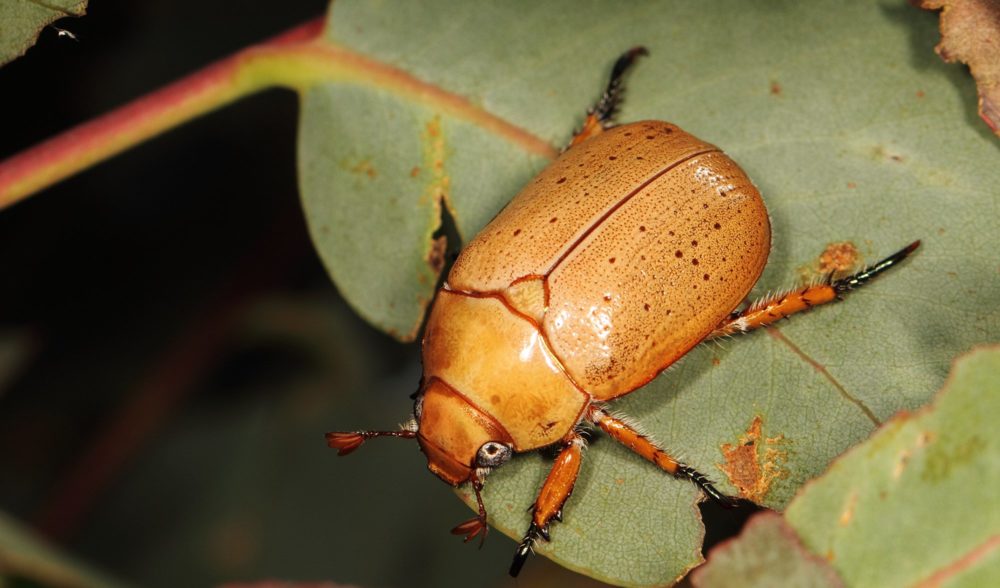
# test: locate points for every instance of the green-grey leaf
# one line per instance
(845, 118)
(767, 553)
(24, 556)
(22, 20)
(917, 503)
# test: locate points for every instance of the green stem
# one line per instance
(268, 64)
(297, 59)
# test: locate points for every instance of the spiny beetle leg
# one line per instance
(861, 278)
(555, 491)
(599, 117)
(706, 486)
(621, 431)
(774, 308)
(523, 551)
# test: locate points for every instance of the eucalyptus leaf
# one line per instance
(916, 504)
(22, 20)
(767, 553)
(850, 125)
(24, 556)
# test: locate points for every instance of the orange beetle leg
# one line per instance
(622, 432)
(475, 526)
(555, 491)
(347, 442)
(599, 117)
(774, 308)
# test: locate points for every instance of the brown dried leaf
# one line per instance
(970, 33)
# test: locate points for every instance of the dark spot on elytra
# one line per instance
(612, 158)
(650, 137)
(678, 254)
(671, 233)
(517, 232)
(645, 306)
(561, 180)
(705, 277)
(611, 260)
(716, 226)
(694, 242)
(642, 228)
(694, 261)
(553, 219)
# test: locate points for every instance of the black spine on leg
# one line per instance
(523, 551)
(608, 104)
(702, 482)
(861, 278)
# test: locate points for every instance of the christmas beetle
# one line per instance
(639, 242)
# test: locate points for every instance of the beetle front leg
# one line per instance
(772, 309)
(477, 525)
(599, 117)
(555, 491)
(625, 434)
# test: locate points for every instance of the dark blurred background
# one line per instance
(172, 351)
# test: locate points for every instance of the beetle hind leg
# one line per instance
(555, 491)
(599, 117)
(774, 308)
(621, 431)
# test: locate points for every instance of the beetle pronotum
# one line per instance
(632, 247)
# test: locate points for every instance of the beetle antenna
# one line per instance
(346, 442)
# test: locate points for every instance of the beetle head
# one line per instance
(460, 442)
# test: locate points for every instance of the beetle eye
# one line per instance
(418, 406)
(492, 454)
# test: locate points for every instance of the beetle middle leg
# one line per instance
(600, 115)
(555, 491)
(771, 309)
(625, 434)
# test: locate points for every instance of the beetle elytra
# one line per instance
(639, 242)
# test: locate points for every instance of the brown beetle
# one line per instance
(632, 247)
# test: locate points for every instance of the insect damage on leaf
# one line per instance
(839, 259)
(753, 466)
(433, 143)
(969, 30)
